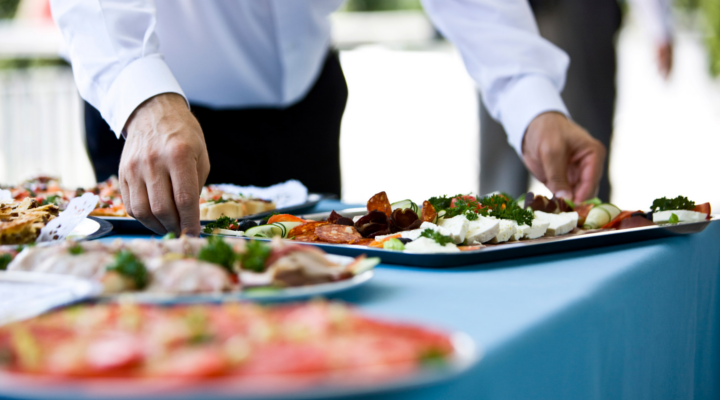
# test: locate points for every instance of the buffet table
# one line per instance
(637, 321)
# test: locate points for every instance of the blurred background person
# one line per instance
(587, 30)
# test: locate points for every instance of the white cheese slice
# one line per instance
(507, 229)
(482, 230)
(519, 232)
(683, 216)
(537, 230)
(457, 227)
(559, 224)
(415, 233)
(427, 245)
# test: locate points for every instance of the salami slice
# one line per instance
(334, 217)
(337, 234)
(428, 212)
(375, 223)
(305, 228)
(380, 202)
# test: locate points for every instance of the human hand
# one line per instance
(665, 59)
(164, 165)
(563, 156)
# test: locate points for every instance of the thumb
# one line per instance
(555, 166)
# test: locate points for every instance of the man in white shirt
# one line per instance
(140, 63)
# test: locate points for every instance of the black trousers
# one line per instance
(586, 30)
(258, 146)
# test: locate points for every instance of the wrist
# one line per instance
(539, 124)
(152, 109)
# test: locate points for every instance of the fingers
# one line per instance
(186, 194)
(554, 158)
(141, 207)
(162, 203)
(590, 163)
(125, 194)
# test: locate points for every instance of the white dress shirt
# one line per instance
(268, 53)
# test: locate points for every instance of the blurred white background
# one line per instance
(411, 124)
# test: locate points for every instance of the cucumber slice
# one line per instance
(439, 215)
(287, 226)
(600, 215)
(405, 204)
(265, 231)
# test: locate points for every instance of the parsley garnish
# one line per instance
(218, 201)
(218, 252)
(255, 256)
(673, 219)
(441, 203)
(438, 237)
(52, 199)
(678, 203)
(5, 260)
(76, 249)
(128, 265)
(504, 207)
(169, 236)
(221, 223)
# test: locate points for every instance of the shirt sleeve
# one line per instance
(656, 18)
(520, 75)
(115, 54)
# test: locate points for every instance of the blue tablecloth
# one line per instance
(638, 321)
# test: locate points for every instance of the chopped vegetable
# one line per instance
(393, 244)
(255, 256)
(601, 215)
(221, 223)
(218, 252)
(673, 219)
(128, 265)
(678, 203)
(438, 237)
(5, 260)
(284, 218)
(76, 249)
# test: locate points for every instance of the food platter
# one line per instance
(307, 386)
(579, 240)
(259, 295)
(131, 225)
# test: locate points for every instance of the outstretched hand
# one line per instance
(563, 156)
(164, 165)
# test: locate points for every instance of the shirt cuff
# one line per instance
(140, 80)
(524, 100)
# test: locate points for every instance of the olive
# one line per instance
(404, 240)
(246, 224)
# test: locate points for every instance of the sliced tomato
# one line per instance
(284, 218)
(703, 208)
(467, 199)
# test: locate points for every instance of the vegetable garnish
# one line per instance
(217, 201)
(128, 265)
(393, 244)
(678, 203)
(169, 236)
(221, 223)
(76, 249)
(267, 218)
(216, 251)
(438, 237)
(504, 208)
(596, 201)
(673, 219)
(52, 199)
(256, 253)
(459, 204)
(5, 261)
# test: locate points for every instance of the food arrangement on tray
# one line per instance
(22, 220)
(448, 224)
(234, 348)
(213, 200)
(190, 265)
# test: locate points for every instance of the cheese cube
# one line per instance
(427, 245)
(537, 229)
(457, 227)
(683, 216)
(519, 232)
(482, 230)
(558, 224)
(507, 229)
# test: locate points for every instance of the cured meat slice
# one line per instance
(380, 202)
(373, 224)
(428, 212)
(338, 234)
(334, 217)
(305, 228)
(404, 219)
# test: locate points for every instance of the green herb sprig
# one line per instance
(438, 237)
(5, 260)
(255, 256)
(221, 223)
(678, 203)
(76, 249)
(216, 251)
(504, 207)
(128, 265)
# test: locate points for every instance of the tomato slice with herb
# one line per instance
(466, 200)
(703, 208)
